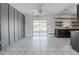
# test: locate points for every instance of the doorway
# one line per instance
(39, 27)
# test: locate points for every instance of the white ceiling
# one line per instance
(50, 8)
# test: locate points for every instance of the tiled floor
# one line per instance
(41, 45)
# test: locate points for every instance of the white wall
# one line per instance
(28, 23)
(51, 25)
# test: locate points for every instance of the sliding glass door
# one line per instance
(39, 27)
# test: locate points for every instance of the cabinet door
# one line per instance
(11, 24)
(23, 26)
(19, 26)
(78, 12)
(0, 27)
(4, 26)
(0, 24)
(20, 37)
(16, 25)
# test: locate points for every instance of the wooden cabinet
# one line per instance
(74, 41)
(62, 33)
(78, 12)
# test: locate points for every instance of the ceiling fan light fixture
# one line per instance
(41, 11)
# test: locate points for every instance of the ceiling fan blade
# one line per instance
(34, 10)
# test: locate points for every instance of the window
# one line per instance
(39, 27)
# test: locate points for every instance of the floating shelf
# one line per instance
(65, 18)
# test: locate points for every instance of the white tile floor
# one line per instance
(41, 45)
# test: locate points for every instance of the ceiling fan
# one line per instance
(40, 11)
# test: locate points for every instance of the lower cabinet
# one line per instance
(62, 33)
(74, 41)
(0, 46)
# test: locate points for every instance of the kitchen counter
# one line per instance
(63, 33)
(74, 41)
